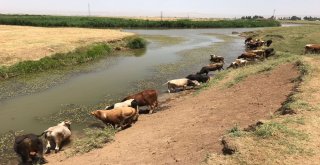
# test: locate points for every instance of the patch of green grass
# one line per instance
(273, 129)
(299, 120)
(80, 55)
(60, 60)
(235, 131)
(237, 79)
(94, 138)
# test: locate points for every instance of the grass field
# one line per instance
(111, 22)
(20, 43)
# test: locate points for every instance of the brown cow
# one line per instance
(260, 53)
(312, 48)
(216, 59)
(248, 55)
(211, 67)
(118, 117)
(145, 98)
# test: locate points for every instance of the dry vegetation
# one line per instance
(284, 139)
(20, 43)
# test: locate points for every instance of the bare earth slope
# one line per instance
(192, 125)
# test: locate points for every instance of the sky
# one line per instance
(169, 8)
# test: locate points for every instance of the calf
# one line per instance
(233, 65)
(30, 148)
(216, 59)
(312, 48)
(248, 55)
(248, 40)
(241, 62)
(118, 117)
(178, 83)
(238, 63)
(269, 52)
(268, 43)
(145, 98)
(199, 77)
(128, 103)
(211, 67)
(254, 44)
(57, 134)
(260, 53)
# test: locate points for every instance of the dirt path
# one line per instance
(192, 125)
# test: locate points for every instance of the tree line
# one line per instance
(308, 18)
(110, 22)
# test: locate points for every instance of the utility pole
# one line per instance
(274, 12)
(89, 12)
(161, 16)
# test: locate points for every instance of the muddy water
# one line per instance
(169, 54)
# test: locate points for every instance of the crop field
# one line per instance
(21, 43)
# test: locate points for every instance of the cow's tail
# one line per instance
(166, 83)
(44, 132)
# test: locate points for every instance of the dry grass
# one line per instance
(289, 139)
(20, 43)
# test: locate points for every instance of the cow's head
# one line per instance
(193, 83)
(66, 123)
(96, 113)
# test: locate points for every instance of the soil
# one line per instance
(191, 126)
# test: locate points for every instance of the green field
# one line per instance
(106, 22)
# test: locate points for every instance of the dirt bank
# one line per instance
(192, 125)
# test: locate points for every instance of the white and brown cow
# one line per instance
(312, 48)
(57, 134)
(181, 83)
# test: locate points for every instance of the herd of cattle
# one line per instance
(123, 114)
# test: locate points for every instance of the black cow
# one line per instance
(198, 77)
(268, 43)
(269, 52)
(30, 148)
(211, 67)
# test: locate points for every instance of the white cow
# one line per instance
(128, 103)
(241, 62)
(178, 83)
(57, 134)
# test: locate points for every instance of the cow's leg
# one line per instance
(48, 146)
(150, 109)
(58, 140)
(25, 157)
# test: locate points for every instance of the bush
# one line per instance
(136, 43)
